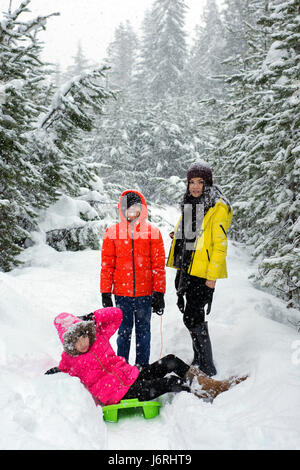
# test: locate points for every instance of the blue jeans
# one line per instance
(136, 310)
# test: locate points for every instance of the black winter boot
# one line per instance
(203, 357)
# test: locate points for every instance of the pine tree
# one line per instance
(280, 266)
(145, 58)
(71, 113)
(260, 154)
(79, 66)
(207, 53)
(237, 15)
(111, 148)
(169, 52)
(166, 141)
(121, 57)
(39, 142)
(243, 101)
(21, 75)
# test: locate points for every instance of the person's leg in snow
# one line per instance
(142, 318)
(136, 310)
(194, 320)
(152, 381)
(125, 330)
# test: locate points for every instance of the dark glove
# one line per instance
(107, 300)
(208, 294)
(54, 370)
(158, 302)
(88, 317)
(180, 302)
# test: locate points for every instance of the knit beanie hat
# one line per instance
(200, 170)
(128, 200)
(70, 328)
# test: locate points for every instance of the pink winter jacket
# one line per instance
(106, 375)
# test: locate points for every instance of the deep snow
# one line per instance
(56, 412)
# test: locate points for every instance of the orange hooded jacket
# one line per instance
(133, 256)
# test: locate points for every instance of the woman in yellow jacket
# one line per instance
(198, 252)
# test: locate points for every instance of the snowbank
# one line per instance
(38, 411)
(56, 412)
(47, 412)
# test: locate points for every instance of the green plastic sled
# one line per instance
(150, 409)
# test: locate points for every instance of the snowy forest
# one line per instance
(140, 116)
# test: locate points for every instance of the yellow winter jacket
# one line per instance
(210, 249)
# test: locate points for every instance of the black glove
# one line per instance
(158, 302)
(180, 302)
(88, 317)
(207, 298)
(107, 300)
(54, 370)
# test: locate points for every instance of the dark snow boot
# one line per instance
(203, 357)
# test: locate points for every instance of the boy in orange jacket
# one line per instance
(133, 269)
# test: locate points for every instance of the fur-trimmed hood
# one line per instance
(70, 328)
(74, 333)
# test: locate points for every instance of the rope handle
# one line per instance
(161, 337)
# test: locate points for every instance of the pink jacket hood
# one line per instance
(70, 328)
(63, 322)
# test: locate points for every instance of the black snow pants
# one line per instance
(151, 382)
(194, 311)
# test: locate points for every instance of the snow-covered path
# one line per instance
(56, 412)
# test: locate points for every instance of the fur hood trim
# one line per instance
(74, 332)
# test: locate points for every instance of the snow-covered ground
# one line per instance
(56, 412)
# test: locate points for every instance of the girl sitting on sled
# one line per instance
(89, 356)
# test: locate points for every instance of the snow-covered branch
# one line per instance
(82, 87)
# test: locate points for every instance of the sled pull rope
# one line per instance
(161, 337)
